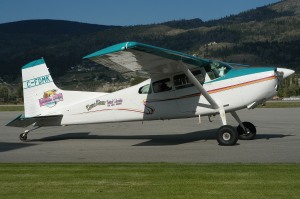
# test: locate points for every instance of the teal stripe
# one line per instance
(242, 72)
(34, 63)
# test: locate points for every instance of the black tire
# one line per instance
(251, 131)
(227, 135)
(23, 137)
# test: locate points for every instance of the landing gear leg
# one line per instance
(23, 136)
(246, 130)
(226, 134)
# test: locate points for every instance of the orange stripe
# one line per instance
(241, 85)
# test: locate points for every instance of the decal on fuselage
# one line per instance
(51, 98)
(97, 103)
(108, 103)
(114, 102)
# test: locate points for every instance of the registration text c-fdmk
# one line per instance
(37, 81)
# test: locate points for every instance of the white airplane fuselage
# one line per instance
(128, 105)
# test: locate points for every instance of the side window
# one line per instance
(162, 85)
(199, 76)
(212, 75)
(219, 68)
(145, 89)
(182, 81)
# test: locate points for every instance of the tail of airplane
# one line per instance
(44, 102)
(38, 88)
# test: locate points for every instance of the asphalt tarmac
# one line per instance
(183, 141)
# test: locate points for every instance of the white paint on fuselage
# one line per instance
(129, 105)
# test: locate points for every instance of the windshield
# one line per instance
(217, 69)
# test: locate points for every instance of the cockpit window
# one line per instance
(162, 85)
(216, 69)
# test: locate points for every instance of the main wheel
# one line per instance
(23, 136)
(227, 135)
(250, 131)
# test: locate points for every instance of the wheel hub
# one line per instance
(247, 131)
(226, 136)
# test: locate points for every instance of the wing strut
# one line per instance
(197, 84)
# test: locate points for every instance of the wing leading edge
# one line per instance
(132, 56)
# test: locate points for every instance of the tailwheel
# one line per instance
(249, 133)
(227, 135)
(23, 136)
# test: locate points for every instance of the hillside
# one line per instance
(23, 41)
(266, 35)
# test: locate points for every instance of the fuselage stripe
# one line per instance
(241, 84)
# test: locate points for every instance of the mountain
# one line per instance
(23, 41)
(292, 6)
(51, 27)
(265, 35)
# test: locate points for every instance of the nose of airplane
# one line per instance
(286, 72)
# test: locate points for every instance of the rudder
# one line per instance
(39, 89)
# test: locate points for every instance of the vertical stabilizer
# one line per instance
(38, 88)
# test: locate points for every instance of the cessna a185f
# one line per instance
(180, 86)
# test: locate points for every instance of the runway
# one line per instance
(183, 141)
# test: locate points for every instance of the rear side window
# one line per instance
(162, 85)
(182, 81)
(145, 89)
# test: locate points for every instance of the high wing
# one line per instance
(132, 56)
(157, 62)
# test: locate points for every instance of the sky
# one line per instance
(123, 12)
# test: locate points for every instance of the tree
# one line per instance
(4, 93)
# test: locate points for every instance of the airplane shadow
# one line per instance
(6, 146)
(270, 136)
(151, 140)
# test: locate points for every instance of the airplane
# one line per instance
(180, 86)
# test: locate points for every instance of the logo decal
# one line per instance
(51, 98)
(108, 103)
(114, 102)
(97, 103)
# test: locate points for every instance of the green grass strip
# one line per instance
(154, 180)
(11, 108)
(281, 105)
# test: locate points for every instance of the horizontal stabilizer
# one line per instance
(20, 121)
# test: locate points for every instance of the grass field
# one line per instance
(155, 180)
